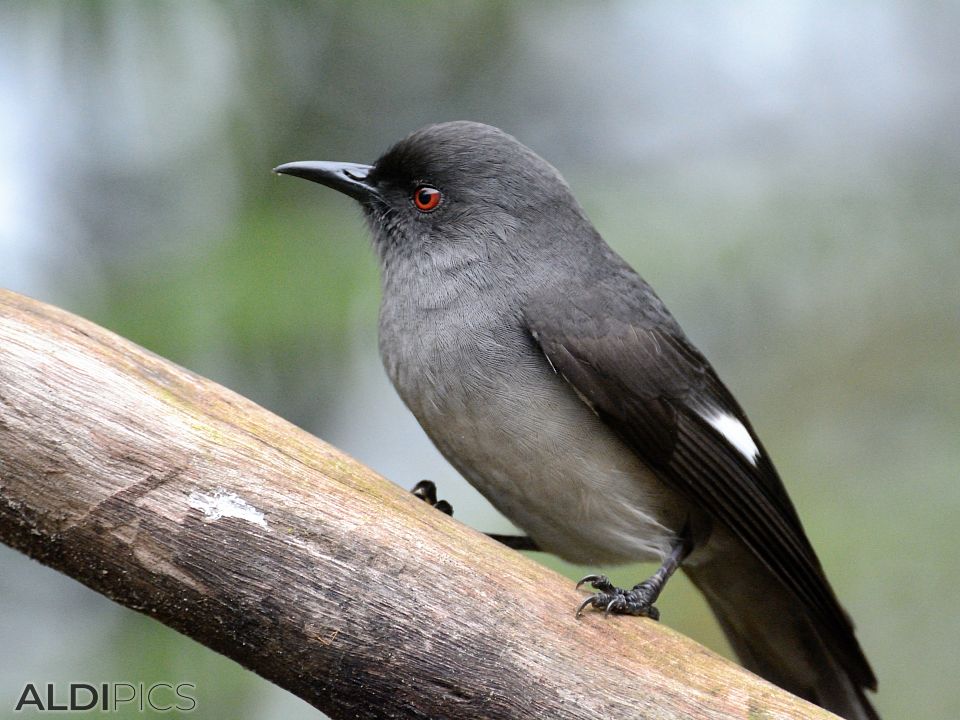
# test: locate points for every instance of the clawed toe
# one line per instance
(584, 604)
(426, 490)
(597, 582)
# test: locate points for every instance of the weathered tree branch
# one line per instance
(178, 498)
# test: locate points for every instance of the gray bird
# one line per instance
(549, 373)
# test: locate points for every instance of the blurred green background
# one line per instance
(786, 175)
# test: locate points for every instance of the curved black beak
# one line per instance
(348, 178)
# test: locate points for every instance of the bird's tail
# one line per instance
(772, 634)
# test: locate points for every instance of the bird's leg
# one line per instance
(640, 598)
(516, 542)
(426, 490)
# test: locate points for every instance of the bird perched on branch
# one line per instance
(553, 378)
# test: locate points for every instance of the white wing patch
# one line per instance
(735, 433)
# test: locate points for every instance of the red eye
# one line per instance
(426, 198)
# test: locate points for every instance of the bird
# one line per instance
(553, 378)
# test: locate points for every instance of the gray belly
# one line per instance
(520, 435)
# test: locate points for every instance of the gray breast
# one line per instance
(493, 406)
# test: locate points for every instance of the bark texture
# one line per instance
(176, 497)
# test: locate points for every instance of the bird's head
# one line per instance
(457, 192)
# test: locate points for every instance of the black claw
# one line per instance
(586, 579)
(584, 604)
(426, 490)
(597, 582)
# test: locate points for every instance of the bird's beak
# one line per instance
(348, 178)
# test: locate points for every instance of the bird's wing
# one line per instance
(630, 362)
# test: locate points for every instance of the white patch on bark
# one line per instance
(221, 504)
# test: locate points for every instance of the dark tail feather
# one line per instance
(772, 634)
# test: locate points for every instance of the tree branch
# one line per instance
(176, 497)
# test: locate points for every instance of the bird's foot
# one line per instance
(611, 599)
(426, 490)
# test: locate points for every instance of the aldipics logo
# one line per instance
(79, 697)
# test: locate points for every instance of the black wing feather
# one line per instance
(631, 362)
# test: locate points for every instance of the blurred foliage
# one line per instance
(785, 175)
(267, 308)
